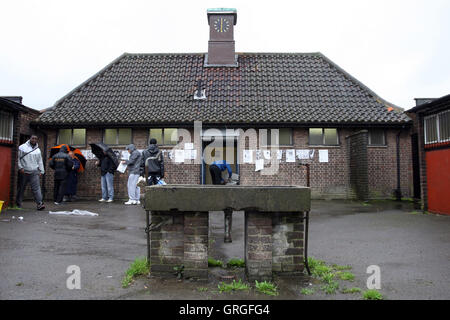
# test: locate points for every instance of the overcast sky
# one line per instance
(399, 49)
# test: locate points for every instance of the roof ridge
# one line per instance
(362, 85)
(237, 52)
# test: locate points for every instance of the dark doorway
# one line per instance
(416, 165)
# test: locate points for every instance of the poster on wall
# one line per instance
(179, 156)
(266, 154)
(323, 155)
(302, 154)
(248, 156)
(259, 164)
(290, 155)
(279, 154)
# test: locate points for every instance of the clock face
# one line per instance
(221, 25)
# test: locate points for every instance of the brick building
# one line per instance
(317, 107)
(15, 130)
(432, 127)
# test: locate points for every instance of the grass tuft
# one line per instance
(138, 267)
(307, 291)
(239, 263)
(345, 275)
(331, 287)
(351, 290)
(372, 294)
(233, 286)
(267, 288)
(214, 263)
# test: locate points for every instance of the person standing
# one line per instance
(62, 164)
(134, 168)
(107, 169)
(152, 163)
(72, 178)
(30, 167)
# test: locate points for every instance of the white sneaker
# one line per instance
(109, 200)
(137, 202)
(102, 200)
(130, 202)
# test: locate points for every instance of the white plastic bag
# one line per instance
(75, 212)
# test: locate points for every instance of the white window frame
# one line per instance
(438, 133)
(11, 126)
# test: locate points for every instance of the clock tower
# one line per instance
(221, 38)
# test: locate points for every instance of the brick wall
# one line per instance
(327, 180)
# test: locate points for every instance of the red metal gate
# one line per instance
(438, 180)
(5, 174)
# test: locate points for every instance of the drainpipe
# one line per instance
(398, 192)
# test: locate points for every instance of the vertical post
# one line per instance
(258, 245)
(228, 221)
(196, 227)
(147, 231)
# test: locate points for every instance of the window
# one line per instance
(120, 136)
(6, 126)
(284, 139)
(76, 137)
(437, 127)
(323, 136)
(376, 137)
(164, 135)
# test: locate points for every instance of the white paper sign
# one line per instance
(302, 154)
(121, 167)
(193, 154)
(248, 156)
(323, 155)
(88, 154)
(179, 156)
(279, 154)
(125, 155)
(266, 154)
(290, 155)
(188, 146)
(258, 154)
(311, 154)
(259, 164)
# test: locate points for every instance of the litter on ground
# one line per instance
(75, 212)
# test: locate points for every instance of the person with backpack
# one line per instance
(62, 164)
(134, 168)
(31, 168)
(152, 163)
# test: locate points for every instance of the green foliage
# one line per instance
(233, 286)
(214, 263)
(372, 294)
(179, 271)
(307, 291)
(340, 268)
(345, 275)
(327, 277)
(267, 288)
(331, 287)
(239, 263)
(202, 289)
(351, 290)
(138, 267)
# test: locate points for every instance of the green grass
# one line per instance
(345, 275)
(327, 277)
(307, 291)
(372, 294)
(138, 267)
(214, 263)
(233, 286)
(351, 290)
(267, 288)
(12, 208)
(202, 289)
(330, 288)
(239, 263)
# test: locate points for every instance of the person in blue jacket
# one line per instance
(72, 179)
(216, 168)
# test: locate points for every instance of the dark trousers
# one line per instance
(216, 174)
(24, 179)
(153, 179)
(59, 189)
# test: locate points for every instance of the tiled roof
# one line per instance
(297, 88)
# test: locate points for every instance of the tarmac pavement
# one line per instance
(411, 249)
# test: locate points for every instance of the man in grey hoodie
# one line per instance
(31, 168)
(134, 167)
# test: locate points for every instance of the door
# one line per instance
(5, 174)
(223, 153)
(438, 180)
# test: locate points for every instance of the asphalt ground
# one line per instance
(410, 248)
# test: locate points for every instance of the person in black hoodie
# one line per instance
(152, 163)
(62, 164)
(107, 168)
